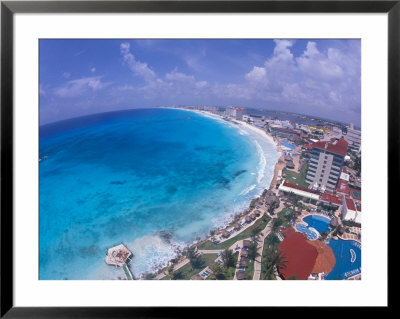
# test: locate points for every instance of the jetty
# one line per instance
(118, 256)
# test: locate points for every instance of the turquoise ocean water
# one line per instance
(124, 177)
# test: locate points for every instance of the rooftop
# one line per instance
(118, 255)
(331, 198)
(300, 256)
(337, 146)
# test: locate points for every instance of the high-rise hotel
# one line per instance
(325, 166)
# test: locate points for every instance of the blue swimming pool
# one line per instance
(311, 235)
(320, 223)
(290, 146)
(348, 259)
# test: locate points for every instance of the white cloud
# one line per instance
(174, 75)
(138, 68)
(77, 87)
(93, 70)
(41, 90)
(257, 74)
(66, 75)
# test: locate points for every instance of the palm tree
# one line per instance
(195, 260)
(228, 258)
(177, 275)
(272, 240)
(272, 206)
(171, 269)
(275, 260)
(276, 225)
(255, 232)
(218, 272)
(252, 251)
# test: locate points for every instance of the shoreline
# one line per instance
(268, 138)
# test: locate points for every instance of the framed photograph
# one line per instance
(163, 154)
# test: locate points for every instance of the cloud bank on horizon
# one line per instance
(313, 77)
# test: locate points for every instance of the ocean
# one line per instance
(131, 176)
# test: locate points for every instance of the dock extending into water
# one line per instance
(119, 256)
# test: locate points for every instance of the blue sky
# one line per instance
(314, 77)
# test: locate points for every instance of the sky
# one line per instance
(314, 77)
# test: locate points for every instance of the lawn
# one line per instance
(250, 270)
(230, 272)
(187, 272)
(297, 178)
(281, 216)
(261, 223)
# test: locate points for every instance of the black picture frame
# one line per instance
(9, 8)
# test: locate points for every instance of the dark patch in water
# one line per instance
(89, 251)
(171, 189)
(239, 173)
(117, 182)
(166, 236)
(224, 182)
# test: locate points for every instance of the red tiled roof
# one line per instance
(287, 231)
(350, 204)
(343, 187)
(331, 198)
(301, 188)
(340, 147)
(308, 146)
(300, 256)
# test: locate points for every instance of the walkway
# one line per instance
(176, 267)
(235, 233)
(257, 263)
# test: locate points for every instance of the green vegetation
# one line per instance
(253, 203)
(223, 273)
(357, 166)
(230, 273)
(149, 276)
(285, 218)
(250, 270)
(195, 260)
(252, 251)
(276, 225)
(297, 178)
(273, 259)
(187, 271)
(228, 258)
(271, 243)
(260, 223)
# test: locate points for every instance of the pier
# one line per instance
(118, 256)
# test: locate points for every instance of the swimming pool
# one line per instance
(289, 146)
(318, 222)
(311, 235)
(348, 259)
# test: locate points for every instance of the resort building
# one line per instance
(351, 210)
(235, 112)
(353, 137)
(327, 158)
(304, 192)
(284, 132)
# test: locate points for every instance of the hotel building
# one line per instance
(353, 137)
(325, 166)
(235, 112)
